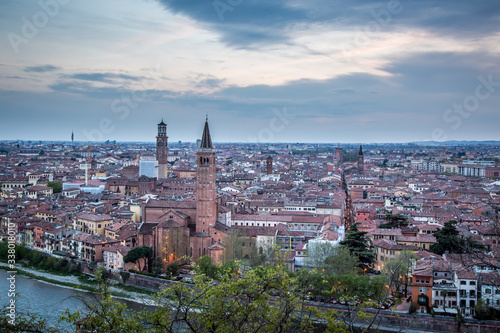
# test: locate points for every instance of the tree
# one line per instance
(237, 305)
(394, 221)
(398, 271)
(328, 259)
(204, 266)
(138, 253)
(56, 186)
(157, 266)
(447, 239)
(104, 314)
(359, 245)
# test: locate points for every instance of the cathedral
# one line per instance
(188, 228)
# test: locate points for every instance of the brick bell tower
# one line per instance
(269, 165)
(206, 205)
(361, 160)
(162, 150)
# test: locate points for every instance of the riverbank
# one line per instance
(118, 290)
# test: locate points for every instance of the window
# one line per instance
(462, 282)
(422, 290)
(472, 283)
(487, 291)
(472, 293)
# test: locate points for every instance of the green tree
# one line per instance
(448, 239)
(206, 267)
(237, 305)
(104, 314)
(56, 186)
(342, 261)
(138, 253)
(157, 266)
(398, 271)
(394, 221)
(329, 259)
(359, 245)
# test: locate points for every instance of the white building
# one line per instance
(148, 166)
(466, 281)
(490, 289)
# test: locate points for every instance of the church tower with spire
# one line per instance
(162, 150)
(361, 160)
(206, 206)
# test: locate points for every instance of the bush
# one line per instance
(57, 265)
(48, 263)
(73, 268)
(125, 276)
(21, 252)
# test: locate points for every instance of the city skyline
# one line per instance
(374, 72)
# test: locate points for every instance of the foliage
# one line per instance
(485, 312)
(157, 266)
(350, 156)
(399, 269)
(125, 276)
(172, 269)
(329, 259)
(266, 299)
(138, 253)
(56, 186)
(104, 314)
(359, 245)
(207, 268)
(394, 221)
(448, 239)
(24, 322)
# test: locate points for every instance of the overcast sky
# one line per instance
(263, 70)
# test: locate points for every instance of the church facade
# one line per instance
(188, 228)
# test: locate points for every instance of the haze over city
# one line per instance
(265, 71)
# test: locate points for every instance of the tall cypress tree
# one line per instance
(359, 245)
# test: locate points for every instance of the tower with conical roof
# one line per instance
(206, 206)
(162, 150)
(361, 160)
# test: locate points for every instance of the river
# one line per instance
(45, 300)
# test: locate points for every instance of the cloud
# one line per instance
(208, 81)
(249, 24)
(103, 77)
(41, 69)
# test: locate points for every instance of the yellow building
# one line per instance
(387, 250)
(92, 223)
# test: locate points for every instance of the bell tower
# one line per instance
(206, 206)
(162, 150)
(361, 160)
(269, 165)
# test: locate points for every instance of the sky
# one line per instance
(262, 70)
